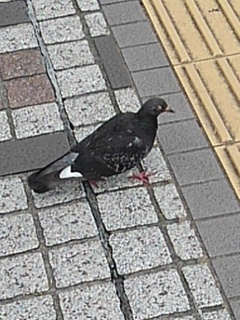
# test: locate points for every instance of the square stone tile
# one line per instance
(127, 100)
(216, 315)
(18, 233)
(88, 5)
(78, 263)
(5, 133)
(139, 249)
(126, 208)
(36, 120)
(70, 54)
(98, 301)
(63, 193)
(169, 201)
(61, 29)
(80, 80)
(13, 13)
(22, 274)
(46, 9)
(83, 132)
(28, 91)
(17, 37)
(235, 304)
(154, 294)
(184, 240)
(39, 308)
(12, 195)
(89, 109)
(21, 63)
(97, 24)
(67, 222)
(202, 285)
(182, 318)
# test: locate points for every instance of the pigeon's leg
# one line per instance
(94, 183)
(143, 176)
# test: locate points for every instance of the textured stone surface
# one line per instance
(78, 263)
(12, 195)
(216, 315)
(88, 5)
(21, 63)
(93, 302)
(38, 308)
(83, 132)
(21, 275)
(141, 249)
(126, 208)
(127, 100)
(67, 222)
(184, 240)
(18, 233)
(36, 120)
(71, 54)
(17, 37)
(97, 24)
(235, 304)
(46, 9)
(34, 90)
(80, 80)
(154, 294)
(62, 29)
(5, 133)
(202, 285)
(89, 109)
(14, 12)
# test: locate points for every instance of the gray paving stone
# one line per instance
(227, 269)
(182, 318)
(83, 132)
(169, 201)
(134, 34)
(202, 285)
(37, 120)
(80, 80)
(70, 54)
(17, 37)
(31, 153)
(46, 9)
(221, 235)
(145, 57)
(88, 5)
(235, 304)
(97, 24)
(184, 240)
(121, 13)
(67, 222)
(22, 275)
(91, 302)
(13, 12)
(154, 294)
(113, 62)
(18, 234)
(64, 193)
(5, 133)
(181, 136)
(39, 308)
(195, 166)
(78, 263)
(216, 315)
(140, 249)
(61, 29)
(12, 195)
(111, 1)
(155, 82)
(127, 100)
(210, 199)
(89, 109)
(126, 208)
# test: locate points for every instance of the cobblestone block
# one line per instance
(5, 133)
(88, 5)
(97, 24)
(127, 100)
(46, 9)
(83, 132)
(216, 315)
(13, 13)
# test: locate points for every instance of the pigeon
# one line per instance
(118, 145)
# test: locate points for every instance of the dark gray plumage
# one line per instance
(115, 147)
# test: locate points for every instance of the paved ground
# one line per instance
(122, 251)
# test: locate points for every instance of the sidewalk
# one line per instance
(169, 251)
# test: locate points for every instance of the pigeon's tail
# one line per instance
(54, 174)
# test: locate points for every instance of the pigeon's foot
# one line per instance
(143, 176)
(93, 183)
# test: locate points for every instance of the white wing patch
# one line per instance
(137, 141)
(67, 173)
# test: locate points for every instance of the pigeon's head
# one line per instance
(155, 106)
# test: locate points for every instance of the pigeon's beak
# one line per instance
(168, 109)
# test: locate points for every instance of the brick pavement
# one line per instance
(122, 251)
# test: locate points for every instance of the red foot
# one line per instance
(143, 176)
(94, 183)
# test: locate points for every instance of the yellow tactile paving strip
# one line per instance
(202, 40)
